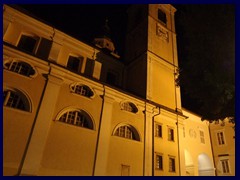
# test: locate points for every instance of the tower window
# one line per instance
(162, 16)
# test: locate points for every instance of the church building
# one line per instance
(75, 109)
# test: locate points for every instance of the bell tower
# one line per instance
(151, 54)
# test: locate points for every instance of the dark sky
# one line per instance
(204, 32)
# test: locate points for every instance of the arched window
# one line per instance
(20, 68)
(128, 106)
(82, 90)
(78, 118)
(15, 99)
(127, 131)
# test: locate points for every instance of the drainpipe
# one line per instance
(178, 148)
(33, 125)
(153, 130)
(99, 127)
(175, 95)
(215, 172)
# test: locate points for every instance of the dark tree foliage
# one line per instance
(206, 49)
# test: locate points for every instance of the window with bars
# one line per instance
(158, 130)
(78, 118)
(130, 107)
(220, 138)
(159, 162)
(82, 90)
(128, 132)
(172, 167)
(202, 140)
(15, 100)
(225, 166)
(20, 68)
(170, 134)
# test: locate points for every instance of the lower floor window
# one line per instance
(225, 166)
(172, 164)
(159, 162)
(125, 170)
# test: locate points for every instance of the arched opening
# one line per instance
(189, 165)
(205, 166)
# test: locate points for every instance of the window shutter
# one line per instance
(89, 67)
(44, 48)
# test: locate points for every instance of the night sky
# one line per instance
(204, 32)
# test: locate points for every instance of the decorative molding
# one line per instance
(162, 33)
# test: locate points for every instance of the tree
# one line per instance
(206, 49)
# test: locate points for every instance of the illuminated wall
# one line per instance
(65, 111)
(223, 144)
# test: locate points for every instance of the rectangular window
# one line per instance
(27, 43)
(44, 48)
(202, 137)
(74, 63)
(158, 130)
(111, 78)
(220, 138)
(125, 170)
(162, 16)
(170, 134)
(172, 164)
(159, 162)
(225, 166)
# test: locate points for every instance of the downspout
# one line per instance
(212, 150)
(98, 134)
(144, 144)
(175, 86)
(153, 130)
(179, 165)
(34, 122)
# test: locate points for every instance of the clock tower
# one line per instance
(151, 54)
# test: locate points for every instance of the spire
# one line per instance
(103, 40)
(105, 31)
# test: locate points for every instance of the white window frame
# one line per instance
(221, 140)
(157, 125)
(171, 134)
(158, 165)
(225, 166)
(202, 136)
(172, 167)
